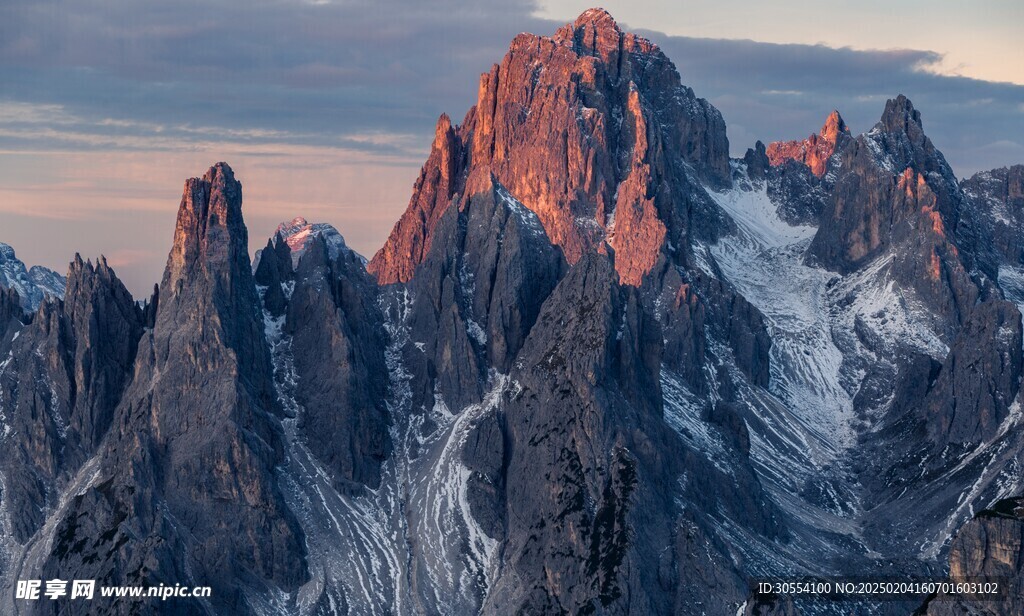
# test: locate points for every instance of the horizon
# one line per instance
(109, 183)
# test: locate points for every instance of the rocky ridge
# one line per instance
(814, 151)
(598, 367)
(32, 284)
(579, 127)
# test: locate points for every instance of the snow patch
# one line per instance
(1011, 280)
(764, 261)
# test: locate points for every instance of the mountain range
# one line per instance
(598, 367)
(32, 283)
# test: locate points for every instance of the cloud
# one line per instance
(779, 91)
(328, 70)
(374, 76)
(326, 109)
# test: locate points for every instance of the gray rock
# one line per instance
(69, 366)
(476, 295)
(32, 284)
(338, 343)
(980, 378)
(895, 194)
(998, 198)
(185, 490)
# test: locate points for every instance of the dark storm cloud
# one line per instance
(374, 76)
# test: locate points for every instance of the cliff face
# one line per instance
(573, 478)
(989, 547)
(325, 310)
(895, 195)
(68, 365)
(590, 130)
(477, 294)
(183, 489)
(598, 367)
(998, 198)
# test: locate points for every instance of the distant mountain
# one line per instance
(597, 367)
(300, 234)
(32, 284)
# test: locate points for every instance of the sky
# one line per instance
(327, 109)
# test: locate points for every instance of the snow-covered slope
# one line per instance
(834, 338)
(1011, 279)
(367, 550)
(298, 232)
(32, 284)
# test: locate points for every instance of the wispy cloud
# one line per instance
(327, 109)
(773, 91)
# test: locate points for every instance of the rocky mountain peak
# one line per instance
(814, 151)
(596, 33)
(598, 19)
(31, 284)
(894, 193)
(900, 116)
(442, 131)
(295, 223)
(209, 233)
(833, 127)
(299, 234)
(209, 279)
(589, 128)
(409, 241)
(899, 141)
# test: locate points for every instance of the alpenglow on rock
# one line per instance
(590, 129)
(597, 368)
(815, 150)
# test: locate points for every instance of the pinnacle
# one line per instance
(834, 125)
(221, 168)
(899, 114)
(441, 131)
(599, 18)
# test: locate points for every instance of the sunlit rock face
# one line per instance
(590, 129)
(815, 150)
(990, 547)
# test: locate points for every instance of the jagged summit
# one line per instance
(209, 230)
(815, 150)
(589, 128)
(596, 33)
(599, 17)
(833, 127)
(898, 141)
(294, 223)
(900, 115)
(299, 233)
(32, 284)
(78, 262)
